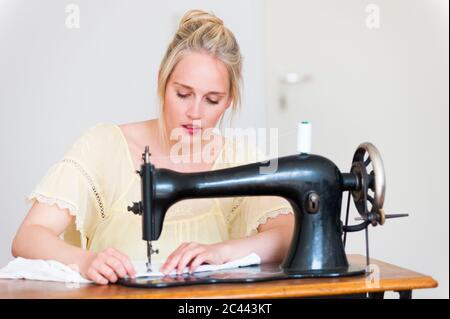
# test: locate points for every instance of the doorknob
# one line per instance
(289, 79)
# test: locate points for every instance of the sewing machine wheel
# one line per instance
(369, 197)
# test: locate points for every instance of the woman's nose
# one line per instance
(194, 110)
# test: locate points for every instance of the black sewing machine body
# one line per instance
(312, 184)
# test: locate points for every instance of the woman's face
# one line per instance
(197, 94)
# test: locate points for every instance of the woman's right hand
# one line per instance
(106, 266)
(44, 224)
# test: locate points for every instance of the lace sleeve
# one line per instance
(72, 184)
(69, 186)
(254, 211)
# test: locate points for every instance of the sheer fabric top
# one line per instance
(96, 181)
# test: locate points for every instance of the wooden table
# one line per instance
(391, 278)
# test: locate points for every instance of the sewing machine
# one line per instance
(312, 184)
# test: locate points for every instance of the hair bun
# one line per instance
(196, 18)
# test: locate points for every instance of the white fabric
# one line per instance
(252, 259)
(50, 270)
(38, 269)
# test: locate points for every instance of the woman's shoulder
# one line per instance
(135, 130)
(100, 131)
(95, 141)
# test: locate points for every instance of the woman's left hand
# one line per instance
(193, 255)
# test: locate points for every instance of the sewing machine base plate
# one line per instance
(256, 273)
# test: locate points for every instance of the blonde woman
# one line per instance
(79, 209)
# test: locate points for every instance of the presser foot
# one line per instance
(150, 252)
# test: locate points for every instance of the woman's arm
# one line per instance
(271, 244)
(38, 238)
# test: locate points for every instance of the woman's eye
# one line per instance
(182, 96)
(212, 102)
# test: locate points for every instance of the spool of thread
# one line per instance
(304, 137)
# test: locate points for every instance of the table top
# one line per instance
(391, 278)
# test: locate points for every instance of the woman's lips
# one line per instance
(191, 129)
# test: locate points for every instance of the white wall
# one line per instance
(388, 86)
(56, 82)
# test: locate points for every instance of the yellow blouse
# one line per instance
(96, 181)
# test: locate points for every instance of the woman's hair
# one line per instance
(200, 31)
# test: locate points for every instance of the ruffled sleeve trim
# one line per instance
(69, 185)
(253, 229)
(62, 204)
(53, 201)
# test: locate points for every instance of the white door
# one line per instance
(372, 71)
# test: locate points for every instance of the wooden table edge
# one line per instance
(288, 292)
